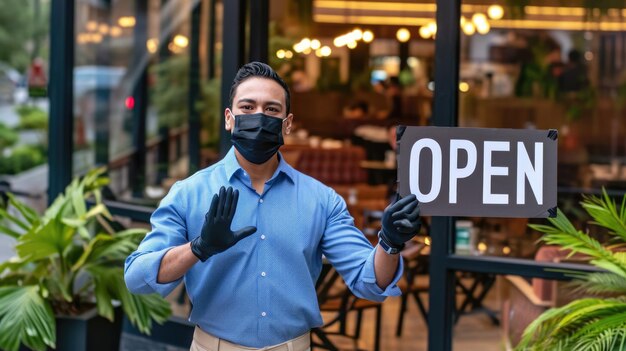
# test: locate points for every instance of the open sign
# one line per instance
(479, 172)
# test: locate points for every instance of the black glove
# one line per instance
(401, 222)
(216, 235)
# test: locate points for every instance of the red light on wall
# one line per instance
(130, 102)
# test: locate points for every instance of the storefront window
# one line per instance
(132, 85)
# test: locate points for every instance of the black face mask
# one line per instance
(257, 136)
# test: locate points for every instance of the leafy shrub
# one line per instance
(22, 158)
(8, 137)
(599, 321)
(32, 117)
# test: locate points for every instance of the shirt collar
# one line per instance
(231, 166)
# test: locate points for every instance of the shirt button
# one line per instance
(263, 274)
(263, 237)
(261, 200)
(263, 314)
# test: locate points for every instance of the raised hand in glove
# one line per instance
(216, 235)
(400, 223)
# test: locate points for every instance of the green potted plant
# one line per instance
(62, 269)
(596, 322)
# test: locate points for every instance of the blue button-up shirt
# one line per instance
(261, 291)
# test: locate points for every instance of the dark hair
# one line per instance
(262, 70)
(574, 56)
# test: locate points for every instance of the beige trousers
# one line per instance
(203, 341)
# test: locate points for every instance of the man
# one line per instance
(255, 291)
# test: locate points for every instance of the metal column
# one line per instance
(234, 39)
(137, 174)
(194, 91)
(61, 92)
(259, 30)
(445, 111)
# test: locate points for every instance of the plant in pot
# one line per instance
(63, 269)
(596, 322)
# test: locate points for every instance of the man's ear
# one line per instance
(288, 123)
(229, 119)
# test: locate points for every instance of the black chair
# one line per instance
(334, 296)
(415, 264)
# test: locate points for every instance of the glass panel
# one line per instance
(545, 66)
(24, 54)
(142, 140)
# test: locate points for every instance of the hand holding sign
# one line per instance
(401, 221)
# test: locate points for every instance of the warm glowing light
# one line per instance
(469, 28)
(552, 11)
(403, 35)
(181, 41)
(96, 37)
(463, 21)
(152, 45)
(315, 44)
(103, 29)
(482, 247)
(326, 51)
(427, 241)
(280, 54)
(297, 47)
(82, 38)
(368, 36)
(288, 54)
(506, 250)
(339, 41)
(357, 34)
(483, 28)
(116, 31)
(424, 32)
(432, 27)
(91, 26)
(351, 44)
(126, 21)
(318, 53)
(306, 43)
(463, 87)
(307, 51)
(588, 55)
(495, 12)
(479, 18)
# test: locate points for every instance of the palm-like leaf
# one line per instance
(140, 309)
(590, 323)
(25, 317)
(56, 250)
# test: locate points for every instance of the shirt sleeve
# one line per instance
(352, 255)
(169, 230)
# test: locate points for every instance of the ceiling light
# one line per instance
(181, 41)
(495, 12)
(368, 36)
(403, 35)
(469, 28)
(315, 44)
